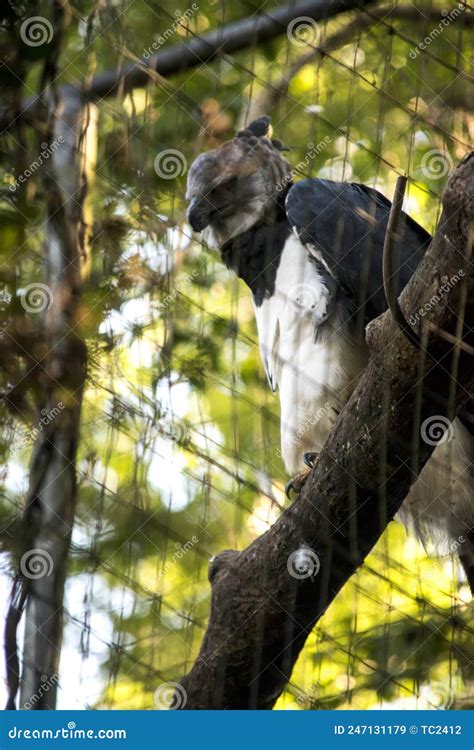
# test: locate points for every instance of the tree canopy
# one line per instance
(178, 456)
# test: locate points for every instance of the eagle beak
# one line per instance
(198, 214)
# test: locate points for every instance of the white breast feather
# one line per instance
(311, 377)
(315, 379)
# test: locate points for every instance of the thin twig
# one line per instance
(388, 270)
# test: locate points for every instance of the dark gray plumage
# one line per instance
(347, 224)
(312, 256)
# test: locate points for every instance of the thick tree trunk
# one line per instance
(61, 365)
(267, 599)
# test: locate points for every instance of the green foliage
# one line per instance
(180, 435)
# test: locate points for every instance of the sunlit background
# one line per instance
(178, 457)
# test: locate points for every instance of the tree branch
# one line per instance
(261, 614)
(196, 51)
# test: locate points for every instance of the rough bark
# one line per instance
(260, 614)
(51, 499)
(61, 356)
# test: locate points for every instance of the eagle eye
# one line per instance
(228, 185)
(224, 192)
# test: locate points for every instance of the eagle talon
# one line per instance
(310, 459)
(288, 488)
(296, 483)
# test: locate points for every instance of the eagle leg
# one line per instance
(310, 459)
(296, 483)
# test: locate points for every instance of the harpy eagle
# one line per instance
(311, 254)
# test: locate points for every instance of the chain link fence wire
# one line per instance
(179, 454)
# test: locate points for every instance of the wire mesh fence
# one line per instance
(179, 451)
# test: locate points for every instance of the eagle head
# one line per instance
(233, 187)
